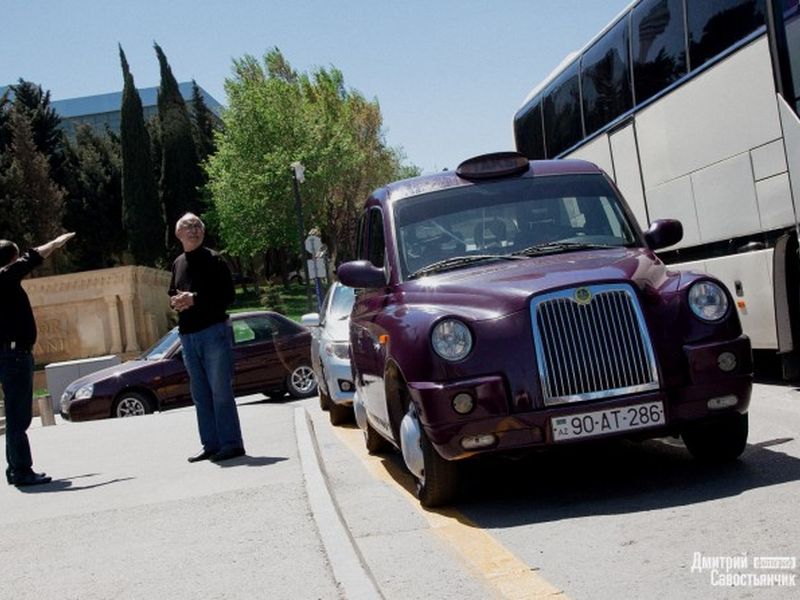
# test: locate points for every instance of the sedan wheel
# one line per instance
(301, 382)
(131, 404)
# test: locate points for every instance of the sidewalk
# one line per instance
(127, 517)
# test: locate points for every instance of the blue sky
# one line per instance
(449, 75)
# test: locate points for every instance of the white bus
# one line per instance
(691, 107)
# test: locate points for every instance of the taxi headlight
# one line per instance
(451, 339)
(709, 301)
(84, 392)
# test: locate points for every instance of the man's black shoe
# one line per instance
(227, 454)
(202, 455)
(30, 479)
(10, 478)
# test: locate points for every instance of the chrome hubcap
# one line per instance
(130, 407)
(303, 379)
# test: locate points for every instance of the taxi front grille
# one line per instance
(592, 342)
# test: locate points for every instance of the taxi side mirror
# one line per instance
(663, 233)
(361, 274)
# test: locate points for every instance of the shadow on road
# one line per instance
(65, 484)
(252, 461)
(615, 477)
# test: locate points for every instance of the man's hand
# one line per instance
(181, 301)
(46, 250)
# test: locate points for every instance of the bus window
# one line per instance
(714, 25)
(528, 132)
(562, 112)
(605, 78)
(658, 45)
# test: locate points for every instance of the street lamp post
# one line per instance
(298, 177)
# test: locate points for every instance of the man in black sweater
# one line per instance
(17, 337)
(201, 291)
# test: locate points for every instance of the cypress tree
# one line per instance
(142, 216)
(180, 171)
(203, 124)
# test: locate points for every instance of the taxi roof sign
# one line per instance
(496, 164)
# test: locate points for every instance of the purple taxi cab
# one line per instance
(514, 305)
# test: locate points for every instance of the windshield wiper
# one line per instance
(458, 261)
(548, 247)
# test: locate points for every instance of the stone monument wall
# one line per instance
(122, 310)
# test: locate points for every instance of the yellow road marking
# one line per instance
(511, 577)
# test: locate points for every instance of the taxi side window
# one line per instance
(376, 248)
(361, 253)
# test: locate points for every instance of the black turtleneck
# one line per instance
(205, 273)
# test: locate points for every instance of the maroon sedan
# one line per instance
(510, 306)
(271, 355)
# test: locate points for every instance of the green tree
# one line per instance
(180, 170)
(31, 101)
(142, 214)
(276, 116)
(32, 206)
(94, 202)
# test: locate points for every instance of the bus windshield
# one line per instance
(509, 219)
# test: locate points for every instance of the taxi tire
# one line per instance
(375, 442)
(439, 483)
(721, 440)
(340, 413)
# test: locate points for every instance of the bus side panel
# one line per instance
(628, 175)
(753, 273)
(598, 152)
(675, 200)
(723, 112)
(791, 136)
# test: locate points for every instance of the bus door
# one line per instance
(628, 169)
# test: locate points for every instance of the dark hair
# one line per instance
(8, 252)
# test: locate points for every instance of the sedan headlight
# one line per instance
(84, 392)
(451, 339)
(708, 300)
(337, 349)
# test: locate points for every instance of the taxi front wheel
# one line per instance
(721, 440)
(438, 483)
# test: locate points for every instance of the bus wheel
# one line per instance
(717, 441)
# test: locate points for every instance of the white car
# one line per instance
(330, 352)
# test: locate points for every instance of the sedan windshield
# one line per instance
(156, 352)
(506, 220)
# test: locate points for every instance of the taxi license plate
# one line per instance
(600, 422)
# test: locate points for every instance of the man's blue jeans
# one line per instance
(208, 357)
(16, 376)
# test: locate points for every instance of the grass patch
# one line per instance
(294, 298)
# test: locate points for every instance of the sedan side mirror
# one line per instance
(310, 320)
(361, 274)
(663, 233)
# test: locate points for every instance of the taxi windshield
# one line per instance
(508, 220)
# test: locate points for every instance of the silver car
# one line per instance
(330, 354)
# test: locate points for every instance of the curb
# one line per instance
(349, 570)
